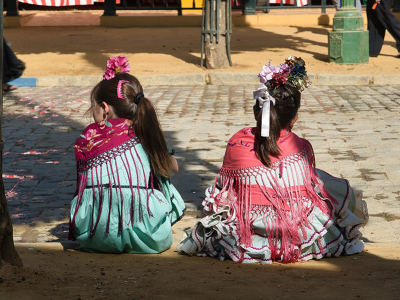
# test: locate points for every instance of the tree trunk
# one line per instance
(216, 51)
(7, 249)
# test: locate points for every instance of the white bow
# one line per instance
(264, 98)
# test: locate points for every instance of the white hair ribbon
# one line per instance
(264, 98)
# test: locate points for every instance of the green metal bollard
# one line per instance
(348, 42)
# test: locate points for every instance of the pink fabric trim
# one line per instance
(99, 137)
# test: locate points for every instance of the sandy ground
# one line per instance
(52, 271)
(57, 51)
(55, 271)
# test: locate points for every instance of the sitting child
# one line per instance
(269, 202)
(124, 201)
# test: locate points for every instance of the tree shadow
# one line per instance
(40, 126)
(372, 274)
(96, 44)
(38, 168)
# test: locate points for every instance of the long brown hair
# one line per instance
(285, 109)
(143, 116)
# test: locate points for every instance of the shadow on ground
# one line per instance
(50, 273)
(95, 43)
(39, 170)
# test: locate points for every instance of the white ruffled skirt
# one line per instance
(216, 235)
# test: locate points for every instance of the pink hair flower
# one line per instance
(116, 65)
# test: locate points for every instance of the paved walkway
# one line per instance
(354, 131)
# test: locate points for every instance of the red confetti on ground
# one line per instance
(12, 176)
(32, 152)
(17, 176)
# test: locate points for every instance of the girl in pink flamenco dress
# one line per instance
(269, 202)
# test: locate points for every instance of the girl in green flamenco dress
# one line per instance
(124, 200)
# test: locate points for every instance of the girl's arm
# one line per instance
(174, 165)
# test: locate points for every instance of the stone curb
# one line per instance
(342, 79)
(145, 80)
(232, 79)
(206, 79)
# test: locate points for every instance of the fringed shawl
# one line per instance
(101, 144)
(288, 190)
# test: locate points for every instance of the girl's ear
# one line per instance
(107, 110)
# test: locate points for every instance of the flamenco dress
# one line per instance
(120, 204)
(287, 212)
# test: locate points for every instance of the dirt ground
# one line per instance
(58, 51)
(55, 271)
(51, 272)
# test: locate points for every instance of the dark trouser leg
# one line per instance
(389, 21)
(12, 66)
(376, 29)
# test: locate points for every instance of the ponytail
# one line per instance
(266, 146)
(285, 109)
(148, 130)
(125, 94)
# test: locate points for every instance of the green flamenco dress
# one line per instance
(120, 205)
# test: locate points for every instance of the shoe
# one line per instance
(9, 88)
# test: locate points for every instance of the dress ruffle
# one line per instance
(217, 234)
(153, 234)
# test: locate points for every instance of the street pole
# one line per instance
(348, 42)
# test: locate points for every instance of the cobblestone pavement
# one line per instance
(354, 131)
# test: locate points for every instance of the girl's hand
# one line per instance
(174, 165)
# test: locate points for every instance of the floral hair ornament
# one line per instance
(119, 89)
(116, 65)
(271, 77)
(264, 100)
(293, 70)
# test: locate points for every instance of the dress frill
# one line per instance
(218, 235)
(118, 210)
